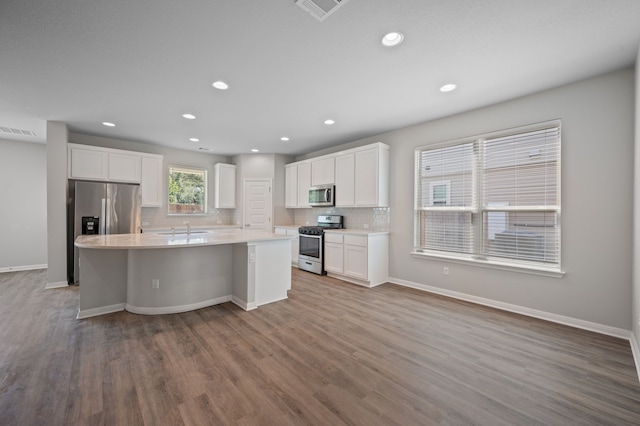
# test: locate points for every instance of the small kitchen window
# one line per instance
(187, 190)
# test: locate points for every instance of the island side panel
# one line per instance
(272, 270)
(103, 282)
(188, 278)
(244, 276)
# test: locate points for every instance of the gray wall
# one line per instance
(23, 195)
(597, 175)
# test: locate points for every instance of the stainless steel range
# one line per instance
(311, 250)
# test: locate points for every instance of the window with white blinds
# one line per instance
(492, 198)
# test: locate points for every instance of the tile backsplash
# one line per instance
(375, 219)
(152, 217)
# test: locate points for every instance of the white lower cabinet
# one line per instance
(355, 256)
(359, 258)
(333, 253)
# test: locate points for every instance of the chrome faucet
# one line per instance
(186, 222)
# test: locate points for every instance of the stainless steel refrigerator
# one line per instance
(99, 208)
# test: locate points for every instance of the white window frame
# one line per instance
(189, 169)
(480, 208)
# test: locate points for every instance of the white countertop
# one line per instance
(353, 231)
(158, 241)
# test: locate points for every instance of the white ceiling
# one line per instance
(142, 64)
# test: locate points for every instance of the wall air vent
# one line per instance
(320, 9)
(19, 132)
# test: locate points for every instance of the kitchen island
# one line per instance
(165, 273)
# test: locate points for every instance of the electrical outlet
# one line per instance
(365, 226)
(155, 283)
(445, 270)
(145, 223)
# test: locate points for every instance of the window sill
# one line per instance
(492, 264)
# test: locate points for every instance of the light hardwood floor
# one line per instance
(332, 354)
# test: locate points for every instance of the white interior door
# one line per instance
(257, 205)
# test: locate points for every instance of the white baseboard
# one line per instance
(57, 284)
(176, 309)
(102, 310)
(635, 349)
(244, 305)
(23, 268)
(272, 301)
(560, 319)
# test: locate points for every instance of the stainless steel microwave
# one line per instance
(322, 195)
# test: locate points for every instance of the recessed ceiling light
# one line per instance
(448, 87)
(284, 139)
(220, 85)
(255, 150)
(329, 122)
(392, 39)
(194, 139)
(108, 124)
(189, 116)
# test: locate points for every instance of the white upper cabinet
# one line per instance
(345, 180)
(88, 163)
(361, 177)
(115, 165)
(372, 177)
(291, 186)
(304, 183)
(322, 171)
(151, 180)
(225, 186)
(124, 167)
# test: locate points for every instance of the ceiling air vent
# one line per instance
(16, 131)
(320, 9)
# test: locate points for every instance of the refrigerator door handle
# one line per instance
(103, 217)
(107, 217)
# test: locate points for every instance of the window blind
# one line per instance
(521, 196)
(445, 198)
(493, 198)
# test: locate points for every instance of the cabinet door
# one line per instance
(291, 186)
(304, 183)
(89, 164)
(225, 186)
(355, 261)
(151, 181)
(345, 180)
(124, 167)
(322, 172)
(333, 257)
(366, 172)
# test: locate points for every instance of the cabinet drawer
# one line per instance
(356, 240)
(333, 238)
